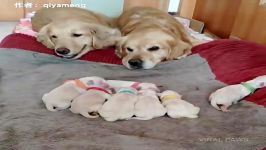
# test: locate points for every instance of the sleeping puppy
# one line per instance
(223, 98)
(91, 101)
(133, 84)
(150, 36)
(60, 98)
(148, 105)
(176, 107)
(72, 32)
(120, 106)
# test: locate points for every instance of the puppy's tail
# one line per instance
(90, 114)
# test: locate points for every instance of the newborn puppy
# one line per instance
(148, 105)
(120, 106)
(176, 107)
(136, 85)
(222, 98)
(90, 102)
(60, 98)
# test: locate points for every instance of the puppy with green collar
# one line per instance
(223, 98)
(120, 106)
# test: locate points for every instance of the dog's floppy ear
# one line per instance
(44, 37)
(103, 36)
(120, 50)
(179, 49)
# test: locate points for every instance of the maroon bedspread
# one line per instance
(230, 60)
(29, 43)
(234, 61)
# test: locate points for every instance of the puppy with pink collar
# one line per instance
(60, 98)
(88, 103)
(223, 98)
(120, 106)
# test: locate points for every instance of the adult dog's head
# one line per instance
(144, 48)
(150, 36)
(74, 38)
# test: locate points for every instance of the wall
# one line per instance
(173, 5)
(239, 19)
(187, 8)
(218, 15)
(160, 4)
(110, 8)
(250, 23)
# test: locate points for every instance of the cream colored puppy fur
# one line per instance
(136, 85)
(89, 103)
(120, 106)
(176, 107)
(148, 105)
(223, 98)
(61, 97)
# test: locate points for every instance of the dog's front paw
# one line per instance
(45, 41)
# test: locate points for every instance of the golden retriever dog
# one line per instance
(149, 37)
(72, 32)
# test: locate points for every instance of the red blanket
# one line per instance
(236, 61)
(29, 43)
(231, 61)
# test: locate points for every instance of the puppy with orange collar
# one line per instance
(92, 100)
(176, 107)
(120, 106)
(60, 98)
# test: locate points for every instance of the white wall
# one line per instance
(173, 5)
(111, 8)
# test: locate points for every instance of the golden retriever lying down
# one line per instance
(150, 36)
(72, 32)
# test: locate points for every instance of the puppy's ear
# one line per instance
(44, 37)
(179, 49)
(103, 36)
(120, 47)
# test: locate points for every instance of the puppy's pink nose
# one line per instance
(62, 51)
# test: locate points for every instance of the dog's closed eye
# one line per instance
(76, 35)
(53, 36)
(130, 49)
(154, 48)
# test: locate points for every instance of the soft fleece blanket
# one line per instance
(25, 124)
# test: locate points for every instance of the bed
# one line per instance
(28, 70)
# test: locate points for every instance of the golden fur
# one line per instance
(150, 36)
(73, 29)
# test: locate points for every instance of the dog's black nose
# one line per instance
(135, 63)
(62, 51)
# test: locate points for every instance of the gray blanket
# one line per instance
(25, 124)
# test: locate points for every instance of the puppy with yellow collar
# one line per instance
(120, 106)
(176, 107)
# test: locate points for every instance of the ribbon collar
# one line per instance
(249, 87)
(168, 98)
